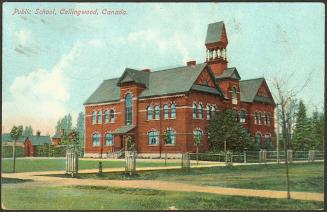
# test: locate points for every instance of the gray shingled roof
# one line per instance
(214, 32)
(132, 75)
(249, 89)
(123, 130)
(108, 91)
(39, 140)
(229, 73)
(7, 138)
(164, 82)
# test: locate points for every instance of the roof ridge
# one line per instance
(176, 68)
(253, 79)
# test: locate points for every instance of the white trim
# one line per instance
(98, 104)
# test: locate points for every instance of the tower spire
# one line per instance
(216, 43)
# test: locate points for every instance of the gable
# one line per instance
(127, 78)
(205, 79)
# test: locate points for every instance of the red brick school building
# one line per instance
(145, 104)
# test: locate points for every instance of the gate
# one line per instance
(71, 162)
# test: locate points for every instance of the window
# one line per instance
(234, 96)
(166, 111)
(106, 116)
(208, 112)
(128, 109)
(198, 136)
(256, 118)
(242, 116)
(100, 117)
(258, 139)
(112, 116)
(268, 140)
(109, 139)
(172, 136)
(259, 118)
(200, 111)
(213, 111)
(157, 112)
(153, 137)
(267, 118)
(94, 117)
(150, 113)
(194, 111)
(173, 111)
(96, 139)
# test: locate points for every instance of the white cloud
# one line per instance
(23, 36)
(39, 97)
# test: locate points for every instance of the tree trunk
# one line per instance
(286, 142)
(14, 155)
(197, 155)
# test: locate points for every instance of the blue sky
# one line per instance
(52, 63)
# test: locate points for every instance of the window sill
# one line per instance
(170, 144)
(153, 144)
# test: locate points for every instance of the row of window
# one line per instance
(198, 111)
(154, 113)
(153, 136)
(109, 116)
(258, 138)
(258, 118)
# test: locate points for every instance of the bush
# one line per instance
(7, 151)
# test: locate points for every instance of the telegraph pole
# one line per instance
(277, 136)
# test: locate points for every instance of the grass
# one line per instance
(13, 180)
(307, 177)
(93, 198)
(31, 165)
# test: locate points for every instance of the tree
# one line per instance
(64, 123)
(70, 139)
(80, 128)
(197, 141)
(225, 127)
(317, 131)
(302, 133)
(15, 133)
(28, 131)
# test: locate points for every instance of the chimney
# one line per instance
(62, 131)
(147, 70)
(191, 63)
(38, 133)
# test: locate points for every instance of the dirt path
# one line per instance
(40, 180)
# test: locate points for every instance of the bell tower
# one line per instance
(216, 43)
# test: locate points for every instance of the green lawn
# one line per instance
(93, 198)
(31, 165)
(303, 177)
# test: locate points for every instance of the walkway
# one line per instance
(39, 179)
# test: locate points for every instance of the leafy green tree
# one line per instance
(64, 123)
(70, 139)
(225, 127)
(80, 128)
(302, 139)
(15, 133)
(28, 131)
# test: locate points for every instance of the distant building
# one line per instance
(6, 140)
(32, 141)
(178, 101)
(56, 138)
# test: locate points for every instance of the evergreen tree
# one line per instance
(302, 138)
(225, 127)
(80, 128)
(317, 133)
(28, 131)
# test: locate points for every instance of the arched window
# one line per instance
(153, 137)
(200, 111)
(94, 117)
(99, 116)
(198, 136)
(208, 112)
(268, 141)
(157, 112)
(109, 139)
(213, 111)
(112, 116)
(258, 139)
(106, 116)
(172, 137)
(173, 111)
(150, 113)
(194, 111)
(256, 117)
(242, 116)
(128, 109)
(96, 139)
(267, 118)
(234, 95)
(166, 111)
(259, 118)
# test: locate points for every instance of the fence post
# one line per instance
(290, 155)
(165, 158)
(229, 158)
(130, 162)
(244, 156)
(100, 167)
(311, 157)
(186, 161)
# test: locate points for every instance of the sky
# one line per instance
(53, 62)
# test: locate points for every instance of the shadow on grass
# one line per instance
(13, 180)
